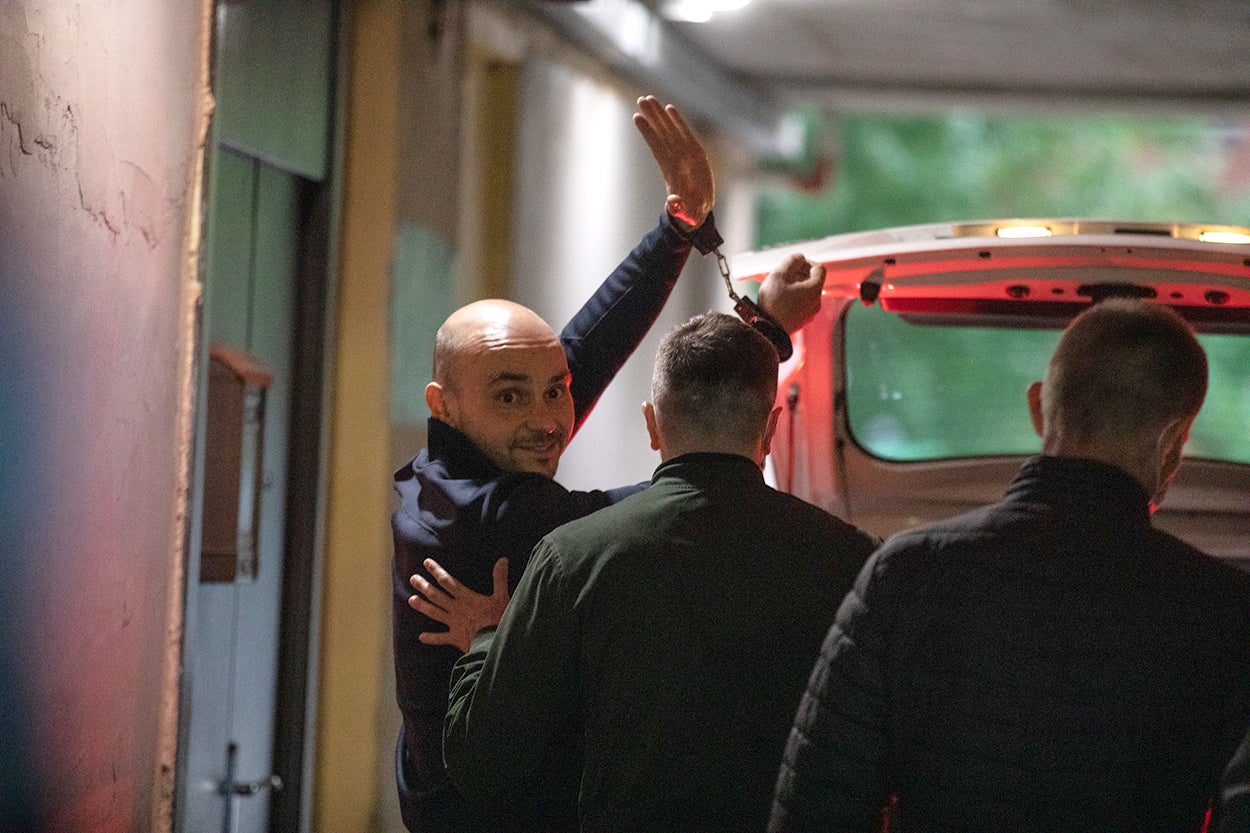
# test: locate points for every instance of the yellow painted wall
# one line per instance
(355, 612)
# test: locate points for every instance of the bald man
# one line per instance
(506, 398)
(522, 417)
(1054, 661)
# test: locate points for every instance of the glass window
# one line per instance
(917, 392)
(1222, 429)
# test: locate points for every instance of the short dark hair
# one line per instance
(1124, 369)
(715, 376)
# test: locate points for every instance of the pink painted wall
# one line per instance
(100, 143)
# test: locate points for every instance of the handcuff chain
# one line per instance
(723, 265)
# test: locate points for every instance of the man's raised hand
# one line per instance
(682, 160)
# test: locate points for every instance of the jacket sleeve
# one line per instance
(614, 321)
(515, 690)
(833, 776)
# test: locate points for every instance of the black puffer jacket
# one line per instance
(1052, 662)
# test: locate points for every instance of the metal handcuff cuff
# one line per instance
(708, 240)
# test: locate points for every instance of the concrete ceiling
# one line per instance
(1191, 54)
(747, 69)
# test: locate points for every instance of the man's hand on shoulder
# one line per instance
(791, 292)
(462, 610)
(682, 160)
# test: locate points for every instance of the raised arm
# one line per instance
(611, 324)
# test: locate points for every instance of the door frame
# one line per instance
(307, 464)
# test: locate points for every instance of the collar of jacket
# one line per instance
(1081, 486)
(458, 453)
(706, 468)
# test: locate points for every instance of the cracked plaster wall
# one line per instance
(102, 113)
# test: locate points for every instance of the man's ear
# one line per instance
(1172, 444)
(770, 429)
(436, 398)
(653, 427)
(1035, 408)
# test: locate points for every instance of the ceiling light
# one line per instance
(1224, 237)
(699, 11)
(1023, 231)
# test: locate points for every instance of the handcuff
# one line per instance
(708, 240)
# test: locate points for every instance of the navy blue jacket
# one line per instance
(460, 509)
(1049, 663)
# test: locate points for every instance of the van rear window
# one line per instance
(923, 392)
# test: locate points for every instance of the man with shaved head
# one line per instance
(506, 398)
(522, 417)
(1054, 661)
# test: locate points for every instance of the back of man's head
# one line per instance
(714, 384)
(1123, 371)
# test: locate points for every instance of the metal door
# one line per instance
(248, 639)
(232, 645)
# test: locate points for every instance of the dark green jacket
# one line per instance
(674, 633)
(463, 511)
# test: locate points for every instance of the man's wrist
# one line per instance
(705, 237)
(684, 226)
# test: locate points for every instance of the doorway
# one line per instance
(245, 734)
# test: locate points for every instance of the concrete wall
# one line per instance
(399, 214)
(102, 116)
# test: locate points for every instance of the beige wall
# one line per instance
(102, 117)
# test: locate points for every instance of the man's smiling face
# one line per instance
(506, 387)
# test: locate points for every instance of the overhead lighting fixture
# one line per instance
(1224, 237)
(699, 11)
(1016, 232)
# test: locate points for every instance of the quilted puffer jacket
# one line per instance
(1052, 662)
